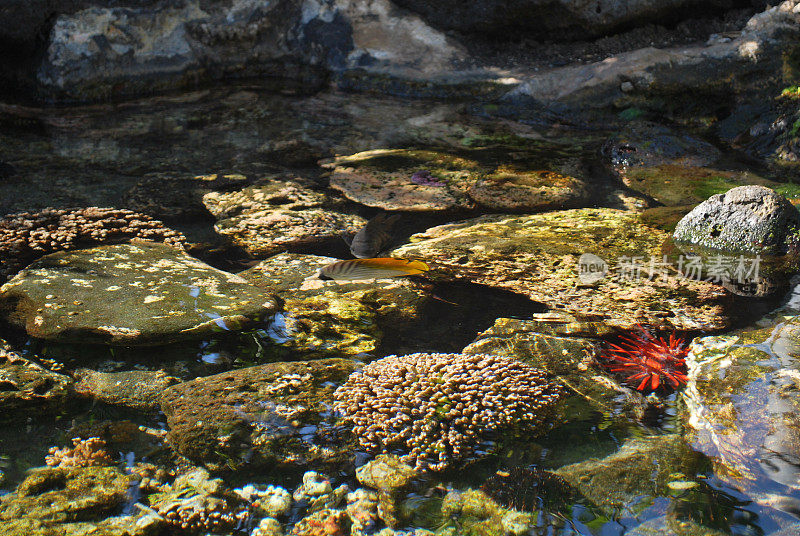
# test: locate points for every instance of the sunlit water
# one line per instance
(94, 155)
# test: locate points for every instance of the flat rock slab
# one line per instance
(275, 414)
(274, 194)
(431, 181)
(537, 255)
(129, 294)
(269, 231)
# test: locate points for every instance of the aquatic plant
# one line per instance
(89, 452)
(438, 408)
(26, 236)
(648, 362)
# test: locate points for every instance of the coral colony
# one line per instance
(648, 362)
(437, 407)
(28, 235)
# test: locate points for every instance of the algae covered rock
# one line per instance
(279, 215)
(27, 385)
(334, 317)
(61, 501)
(750, 219)
(641, 467)
(266, 232)
(135, 389)
(742, 401)
(430, 181)
(271, 415)
(129, 294)
(538, 256)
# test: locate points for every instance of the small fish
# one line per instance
(371, 269)
(374, 237)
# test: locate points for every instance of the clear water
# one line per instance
(95, 155)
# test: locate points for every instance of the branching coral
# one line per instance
(437, 408)
(28, 235)
(84, 453)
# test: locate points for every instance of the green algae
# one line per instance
(537, 255)
(129, 294)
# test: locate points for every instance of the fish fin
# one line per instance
(347, 239)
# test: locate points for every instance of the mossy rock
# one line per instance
(275, 415)
(537, 256)
(129, 294)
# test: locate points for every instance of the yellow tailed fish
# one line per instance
(371, 269)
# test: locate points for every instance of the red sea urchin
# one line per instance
(647, 361)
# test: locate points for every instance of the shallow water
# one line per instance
(96, 155)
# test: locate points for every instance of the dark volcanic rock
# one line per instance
(275, 414)
(555, 20)
(750, 219)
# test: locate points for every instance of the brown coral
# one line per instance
(439, 407)
(26, 236)
(89, 452)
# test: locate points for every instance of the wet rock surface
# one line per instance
(160, 295)
(57, 500)
(538, 256)
(752, 219)
(25, 385)
(332, 317)
(266, 416)
(750, 435)
(27, 236)
(408, 180)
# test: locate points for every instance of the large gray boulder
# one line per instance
(751, 219)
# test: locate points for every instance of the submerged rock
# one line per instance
(677, 185)
(135, 389)
(429, 181)
(333, 317)
(263, 232)
(386, 179)
(750, 219)
(641, 467)
(271, 415)
(274, 194)
(132, 294)
(742, 399)
(64, 501)
(537, 255)
(25, 385)
(27, 236)
(645, 145)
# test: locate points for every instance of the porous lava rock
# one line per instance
(751, 219)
